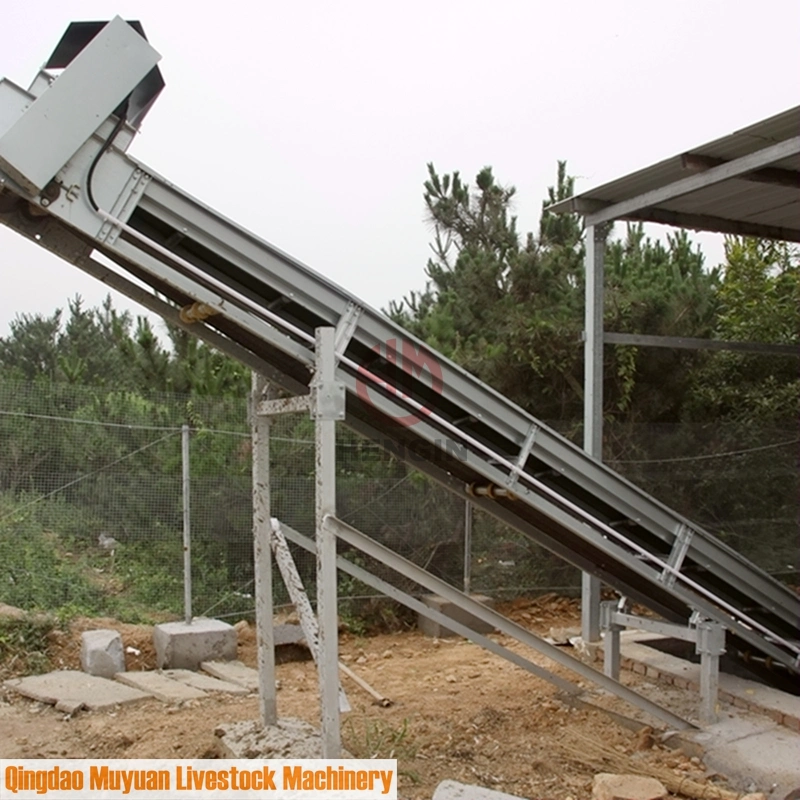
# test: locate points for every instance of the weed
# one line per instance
(369, 738)
(24, 643)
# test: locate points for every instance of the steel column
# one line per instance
(262, 533)
(593, 401)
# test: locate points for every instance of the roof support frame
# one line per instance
(731, 169)
(775, 176)
(707, 222)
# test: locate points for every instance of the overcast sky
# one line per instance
(311, 122)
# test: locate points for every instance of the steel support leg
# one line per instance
(710, 646)
(593, 402)
(262, 532)
(468, 512)
(590, 607)
(611, 641)
(327, 406)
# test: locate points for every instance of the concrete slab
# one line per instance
(753, 753)
(73, 689)
(452, 790)
(159, 686)
(434, 629)
(204, 682)
(184, 646)
(756, 741)
(234, 672)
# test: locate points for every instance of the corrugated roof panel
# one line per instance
(736, 200)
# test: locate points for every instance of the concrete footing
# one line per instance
(101, 653)
(452, 790)
(290, 738)
(431, 628)
(185, 646)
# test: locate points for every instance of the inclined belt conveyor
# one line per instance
(69, 184)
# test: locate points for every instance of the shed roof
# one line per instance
(745, 183)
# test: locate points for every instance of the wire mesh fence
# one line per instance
(91, 504)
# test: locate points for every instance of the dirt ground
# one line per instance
(458, 713)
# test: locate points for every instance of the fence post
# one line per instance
(467, 547)
(187, 526)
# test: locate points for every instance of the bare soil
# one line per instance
(458, 712)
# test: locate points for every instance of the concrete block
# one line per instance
(182, 646)
(72, 689)
(434, 629)
(290, 644)
(162, 688)
(101, 653)
(452, 790)
(607, 786)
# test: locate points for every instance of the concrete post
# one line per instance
(262, 531)
(327, 405)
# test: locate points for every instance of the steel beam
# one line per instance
(409, 601)
(299, 597)
(731, 169)
(688, 343)
(774, 176)
(285, 405)
(415, 573)
(708, 222)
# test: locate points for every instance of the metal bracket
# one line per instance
(124, 205)
(524, 452)
(345, 328)
(285, 405)
(708, 636)
(710, 639)
(328, 400)
(683, 538)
